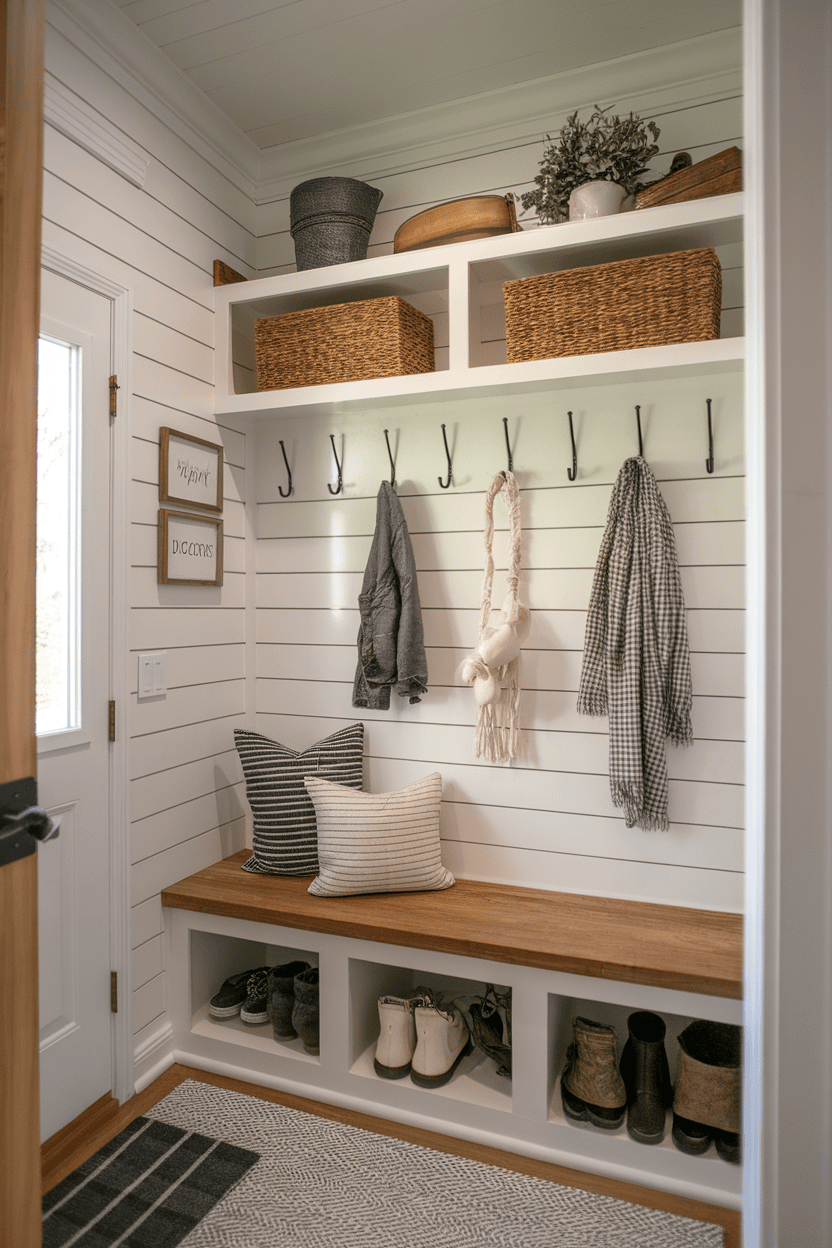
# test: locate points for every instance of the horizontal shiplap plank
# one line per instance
(148, 1002)
(156, 833)
(144, 506)
(147, 961)
(159, 342)
(153, 874)
(457, 627)
(154, 628)
(689, 501)
(182, 782)
(171, 386)
(555, 737)
(190, 705)
(703, 543)
(199, 665)
(149, 416)
(146, 920)
(550, 589)
(145, 591)
(719, 675)
(156, 752)
(700, 889)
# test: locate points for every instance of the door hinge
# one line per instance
(114, 388)
(112, 721)
(114, 992)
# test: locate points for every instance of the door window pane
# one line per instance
(58, 667)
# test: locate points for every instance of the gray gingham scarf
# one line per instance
(636, 665)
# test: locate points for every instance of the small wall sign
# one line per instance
(190, 471)
(190, 549)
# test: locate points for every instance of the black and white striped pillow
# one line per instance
(378, 842)
(285, 834)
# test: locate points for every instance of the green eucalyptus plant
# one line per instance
(603, 148)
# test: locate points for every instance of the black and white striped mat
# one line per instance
(324, 1184)
(147, 1188)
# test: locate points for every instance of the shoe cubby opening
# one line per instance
(213, 959)
(474, 1079)
(562, 1010)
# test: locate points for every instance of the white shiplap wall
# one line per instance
(547, 820)
(160, 241)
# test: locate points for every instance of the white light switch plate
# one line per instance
(153, 674)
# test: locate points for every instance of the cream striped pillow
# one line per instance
(377, 842)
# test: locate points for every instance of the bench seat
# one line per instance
(636, 942)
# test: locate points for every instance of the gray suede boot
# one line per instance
(305, 1015)
(591, 1086)
(282, 998)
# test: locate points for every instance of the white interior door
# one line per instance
(73, 682)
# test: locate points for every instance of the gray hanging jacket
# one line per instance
(391, 645)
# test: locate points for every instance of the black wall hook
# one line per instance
(638, 420)
(445, 484)
(709, 462)
(340, 485)
(285, 493)
(573, 471)
(392, 461)
(508, 445)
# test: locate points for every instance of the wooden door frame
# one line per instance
(21, 73)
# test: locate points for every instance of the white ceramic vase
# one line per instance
(595, 199)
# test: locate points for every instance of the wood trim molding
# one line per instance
(74, 117)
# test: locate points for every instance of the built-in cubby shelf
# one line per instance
(460, 287)
(560, 955)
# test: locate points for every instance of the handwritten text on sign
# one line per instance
(192, 549)
(193, 472)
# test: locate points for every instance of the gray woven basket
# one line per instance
(331, 220)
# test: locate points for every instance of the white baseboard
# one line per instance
(153, 1057)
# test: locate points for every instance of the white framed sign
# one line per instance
(190, 470)
(189, 549)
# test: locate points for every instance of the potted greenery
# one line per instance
(607, 154)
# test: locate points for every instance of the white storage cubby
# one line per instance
(460, 287)
(521, 1115)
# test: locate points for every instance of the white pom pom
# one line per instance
(486, 689)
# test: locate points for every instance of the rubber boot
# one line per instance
(591, 1086)
(281, 991)
(706, 1103)
(305, 1014)
(646, 1076)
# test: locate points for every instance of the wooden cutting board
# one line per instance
(717, 175)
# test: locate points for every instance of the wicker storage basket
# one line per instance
(347, 342)
(646, 302)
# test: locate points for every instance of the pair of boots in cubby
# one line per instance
(426, 1038)
(286, 995)
(599, 1088)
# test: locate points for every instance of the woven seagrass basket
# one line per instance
(347, 342)
(647, 302)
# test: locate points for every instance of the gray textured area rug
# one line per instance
(322, 1184)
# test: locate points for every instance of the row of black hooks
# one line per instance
(570, 472)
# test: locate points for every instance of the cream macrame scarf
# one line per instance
(493, 667)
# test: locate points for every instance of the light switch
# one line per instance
(153, 674)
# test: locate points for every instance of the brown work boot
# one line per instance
(591, 1086)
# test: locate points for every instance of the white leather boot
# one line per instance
(397, 1034)
(442, 1040)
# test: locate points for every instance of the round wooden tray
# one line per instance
(477, 216)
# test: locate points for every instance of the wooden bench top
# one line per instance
(636, 942)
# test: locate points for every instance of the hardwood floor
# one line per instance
(78, 1141)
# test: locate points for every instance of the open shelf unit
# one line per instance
(522, 1114)
(460, 287)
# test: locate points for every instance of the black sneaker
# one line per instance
(231, 996)
(256, 1005)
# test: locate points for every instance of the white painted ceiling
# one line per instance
(283, 70)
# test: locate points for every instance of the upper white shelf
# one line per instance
(456, 279)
